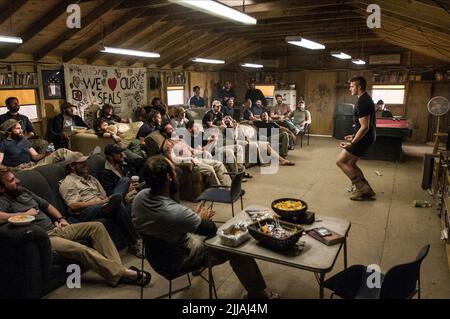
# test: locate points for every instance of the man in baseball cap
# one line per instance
(214, 118)
(87, 199)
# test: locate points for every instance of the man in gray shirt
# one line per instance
(104, 259)
(173, 231)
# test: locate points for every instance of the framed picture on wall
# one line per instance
(53, 84)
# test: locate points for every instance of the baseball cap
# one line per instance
(75, 157)
(216, 102)
(8, 124)
(113, 149)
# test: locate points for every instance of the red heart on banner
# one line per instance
(112, 83)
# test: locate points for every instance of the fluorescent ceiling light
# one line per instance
(218, 9)
(201, 60)
(252, 65)
(143, 54)
(358, 61)
(4, 38)
(340, 55)
(305, 43)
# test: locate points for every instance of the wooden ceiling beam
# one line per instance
(186, 48)
(213, 51)
(143, 4)
(129, 41)
(167, 45)
(9, 9)
(242, 54)
(38, 26)
(152, 39)
(98, 37)
(93, 16)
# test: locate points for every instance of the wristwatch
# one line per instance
(59, 218)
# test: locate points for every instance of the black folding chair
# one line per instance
(169, 275)
(400, 282)
(225, 194)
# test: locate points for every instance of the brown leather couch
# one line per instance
(192, 183)
(86, 142)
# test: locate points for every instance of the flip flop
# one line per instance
(143, 278)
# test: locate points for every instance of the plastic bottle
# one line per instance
(51, 148)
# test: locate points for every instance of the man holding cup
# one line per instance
(117, 177)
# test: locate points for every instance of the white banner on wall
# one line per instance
(88, 87)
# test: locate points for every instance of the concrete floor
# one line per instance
(386, 232)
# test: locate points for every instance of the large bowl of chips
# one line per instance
(289, 209)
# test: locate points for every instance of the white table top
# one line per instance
(316, 256)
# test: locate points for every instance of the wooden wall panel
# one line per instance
(297, 78)
(321, 94)
(416, 109)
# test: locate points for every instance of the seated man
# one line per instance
(104, 130)
(248, 114)
(179, 152)
(232, 155)
(256, 150)
(175, 230)
(282, 113)
(196, 100)
(301, 116)
(107, 114)
(16, 151)
(265, 127)
(214, 118)
(152, 124)
(381, 107)
(87, 200)
(258, 109)
(103, 258)
(13, 106)
(179, 120)
(116, 175)
(228, 109)
(62, 125)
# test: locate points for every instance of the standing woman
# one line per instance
(357, 145)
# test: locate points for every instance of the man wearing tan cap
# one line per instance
(214, 118)
(87, 200)
(103, 258)
(16, 151)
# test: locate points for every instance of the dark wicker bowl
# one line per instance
(272, 242)
(291, 215)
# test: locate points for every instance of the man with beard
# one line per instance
(357, 145)
(12, 103)
(178, 151)
(265, 129)
(231, 154)
(226, 93)
(13, 106)
(255, 94)
(87, 200)
(115, 177)
(174, 231)
(62, 125)
(16, 151)
(107, 114)
(153, 123)
(103, 258)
